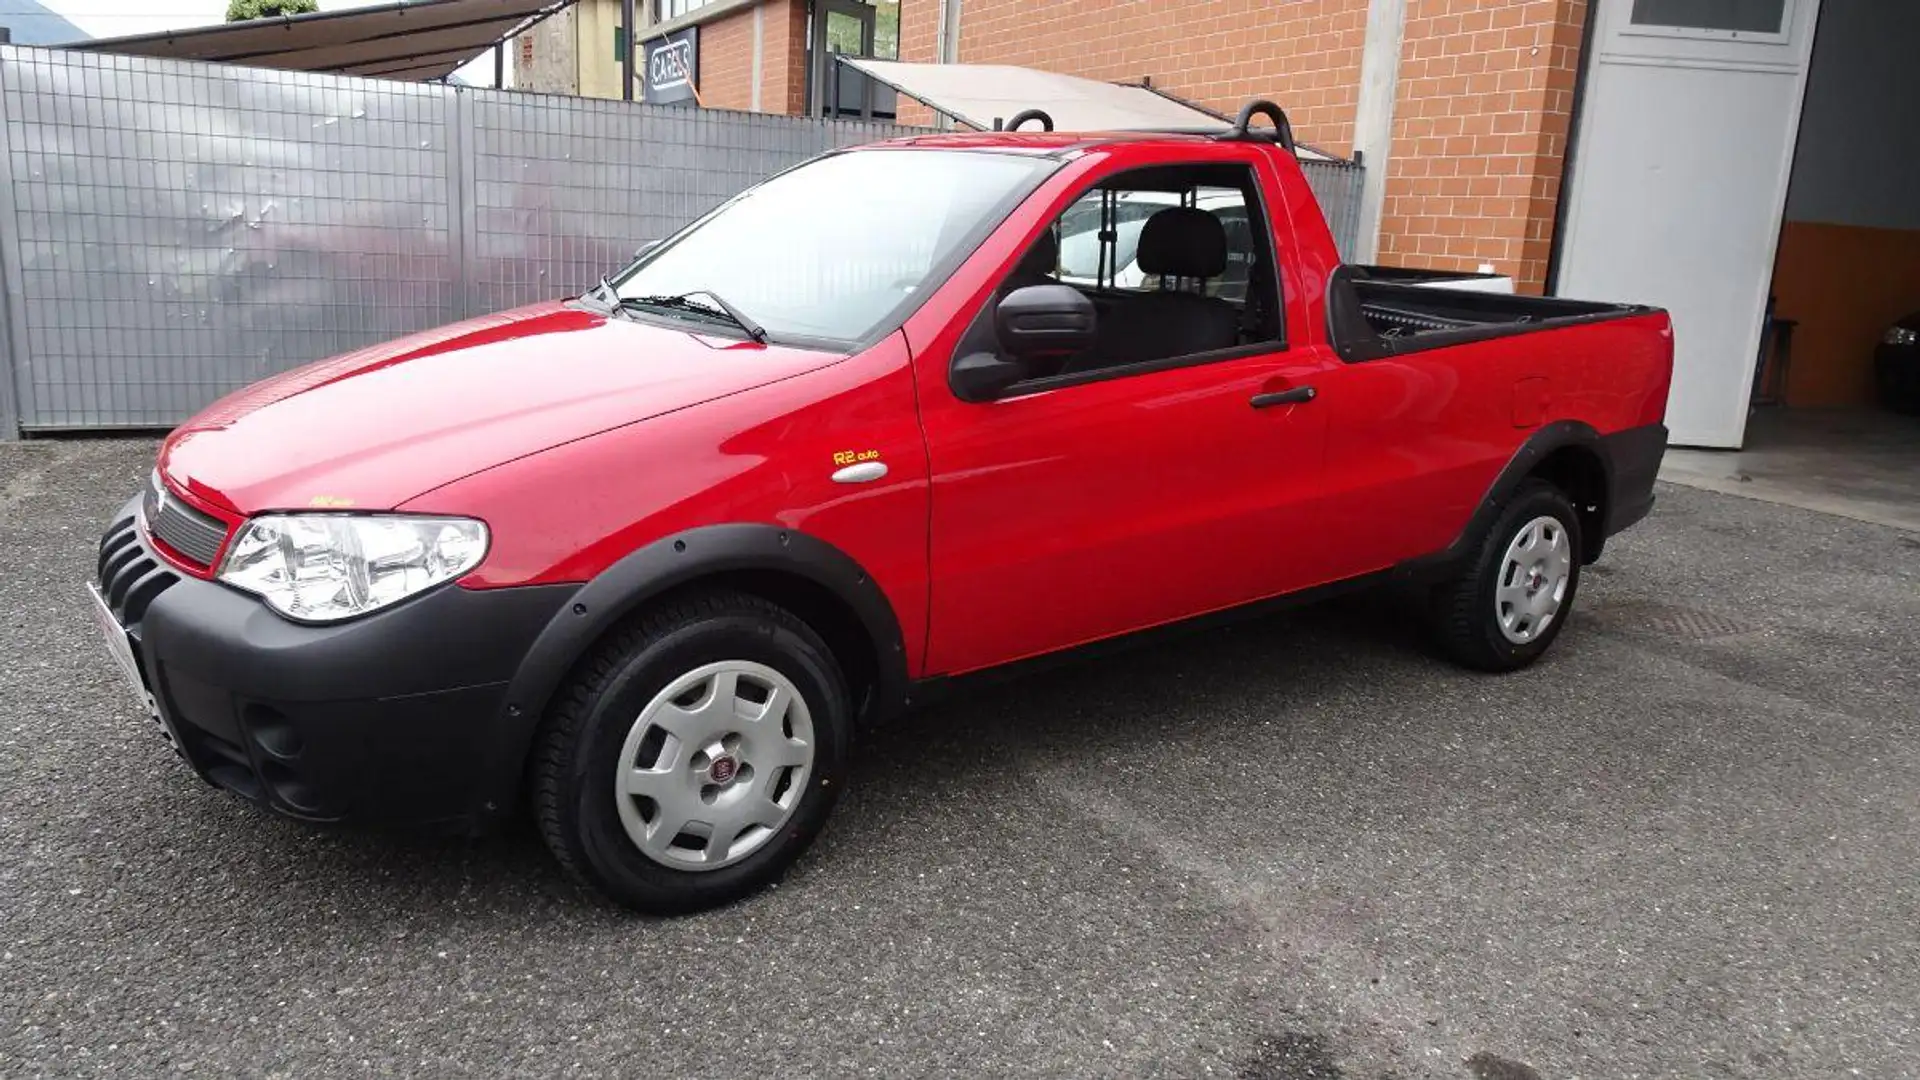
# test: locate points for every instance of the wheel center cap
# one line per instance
(723, 769)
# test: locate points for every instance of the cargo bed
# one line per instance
(1376, 311)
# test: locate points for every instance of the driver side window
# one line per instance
(1081, 245)
(1081, 241)
(1177, 262)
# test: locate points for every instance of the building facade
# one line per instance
(575, 51)
(1480, 99)
(1641, 150)
(1470, 160)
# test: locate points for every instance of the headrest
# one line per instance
(1041, 260)
(1183, 241)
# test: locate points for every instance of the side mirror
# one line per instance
(1032, 323)
(982, 376)
(1044, 320)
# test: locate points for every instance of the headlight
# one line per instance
(1901, 335)
(328, 567)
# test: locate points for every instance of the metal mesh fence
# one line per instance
(172, 231)
(179, 230)
(1337, 185)
(565, 189)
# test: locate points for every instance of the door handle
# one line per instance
(1299, 395)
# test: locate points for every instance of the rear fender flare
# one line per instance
(1553, 437)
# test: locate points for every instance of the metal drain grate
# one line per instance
(1669, 620)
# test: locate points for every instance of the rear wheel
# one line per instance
(695, 756)
(1503, 612)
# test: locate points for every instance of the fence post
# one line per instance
(13, 348)
(461, 198)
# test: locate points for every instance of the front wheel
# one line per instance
(695, 755)
(1504, 610)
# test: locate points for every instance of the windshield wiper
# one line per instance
(685, 302)
(604, 294)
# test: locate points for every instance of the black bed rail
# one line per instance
(1021, 117)
(1242, 129)
(1282, 127)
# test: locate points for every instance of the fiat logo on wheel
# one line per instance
(723, 769)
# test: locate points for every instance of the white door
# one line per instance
(1679, 178)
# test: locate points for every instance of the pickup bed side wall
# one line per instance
(1436, 318)
(1415, 442)
(1420, 439)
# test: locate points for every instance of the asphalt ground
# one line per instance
(1685, 845)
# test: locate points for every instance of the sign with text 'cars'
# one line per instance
(673, 67)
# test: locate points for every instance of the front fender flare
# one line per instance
(651, 571)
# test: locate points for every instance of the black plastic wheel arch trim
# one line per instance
(1633, 457)
(1552, 437)
(666, 564)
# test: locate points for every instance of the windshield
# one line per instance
(833, 249)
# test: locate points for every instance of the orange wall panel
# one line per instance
(1845, 285)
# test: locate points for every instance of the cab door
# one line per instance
(1112, 498)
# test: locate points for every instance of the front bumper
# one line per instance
(389, 718)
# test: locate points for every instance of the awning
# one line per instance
(979, 95)
(414, 40)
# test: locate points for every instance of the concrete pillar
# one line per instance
(1373, 115)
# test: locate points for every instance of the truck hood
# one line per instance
(374, 428)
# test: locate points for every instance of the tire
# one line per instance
(1479, 620)
(674, 693)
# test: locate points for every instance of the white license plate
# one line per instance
(121, 650)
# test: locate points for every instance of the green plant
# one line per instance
(242, 10)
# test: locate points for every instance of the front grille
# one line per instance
(195, 535)
(130, 578)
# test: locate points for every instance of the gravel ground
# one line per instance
(1299, 848)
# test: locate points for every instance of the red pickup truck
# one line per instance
(643, 561)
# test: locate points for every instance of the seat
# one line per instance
(1178, 243)
(1261, 320)
(1037, 266)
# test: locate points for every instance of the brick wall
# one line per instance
(726, 58)
(784, 66)
(1480, 121)
(726, 62)
(1480, 134)
(1304, 54)
(919, 44)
